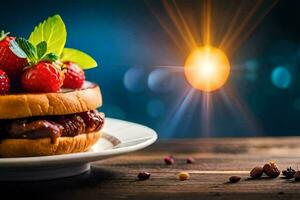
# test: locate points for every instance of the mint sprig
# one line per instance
(3, 35)
(28, 49)
(41, 49)
(25, 49)
(50, 57)
(47, 43)
(53, 32)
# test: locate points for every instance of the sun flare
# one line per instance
(207, 68)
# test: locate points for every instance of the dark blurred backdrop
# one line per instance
(129, 44)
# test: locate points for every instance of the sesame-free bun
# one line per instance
(44, 146)
(61, 103)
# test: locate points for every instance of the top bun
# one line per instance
(61, 103)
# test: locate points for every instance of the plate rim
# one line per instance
(81, 157)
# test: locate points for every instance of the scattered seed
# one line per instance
(190, 160)
(297, 176)
(234, 179)
(183, 176)
(289, 173)
(256, 172)
(143, 176)
(271, 170)
(169, 160)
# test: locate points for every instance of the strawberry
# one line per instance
(44, 72)
(42, 77)
(9, 62)
(74, 77)
(4, 83)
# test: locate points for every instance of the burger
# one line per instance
(52, 123)
(46, 105)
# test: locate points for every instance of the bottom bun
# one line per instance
(44, 146)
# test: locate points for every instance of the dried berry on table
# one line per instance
(289, 173)
(143, 176)
(256, 172)
(297, 176)
(234, 179)
(190, 160)
(183, 176)
(271, 170)
(169, 160)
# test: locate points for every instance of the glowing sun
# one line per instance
(207, 68)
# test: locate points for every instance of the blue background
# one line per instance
(129, 44)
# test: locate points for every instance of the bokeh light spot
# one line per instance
(161, 80)
(251, 65)
(281, 77)
(135, 79)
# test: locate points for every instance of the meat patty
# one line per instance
(54, 126)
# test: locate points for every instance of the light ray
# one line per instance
(232, 26)
(184, 48)
(185, 26)
(173, 68)
(240, 109)
(206, 114)
(177, 112)
(238, 31)
(254, 26)
(182, 28)
(206, 22)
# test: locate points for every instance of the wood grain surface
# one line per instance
(216, 161)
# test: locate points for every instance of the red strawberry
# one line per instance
(74, 77)
(4, 83)
(9, 62)
(42, 77)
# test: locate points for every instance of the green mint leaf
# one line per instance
(41, 49)
(16, 49)
(53, 32)
(82, 59)
(3, 35)
(28, 48)
(50, 57)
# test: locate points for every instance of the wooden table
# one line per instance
(216, 160)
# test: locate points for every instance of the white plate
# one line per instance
(119, 137)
